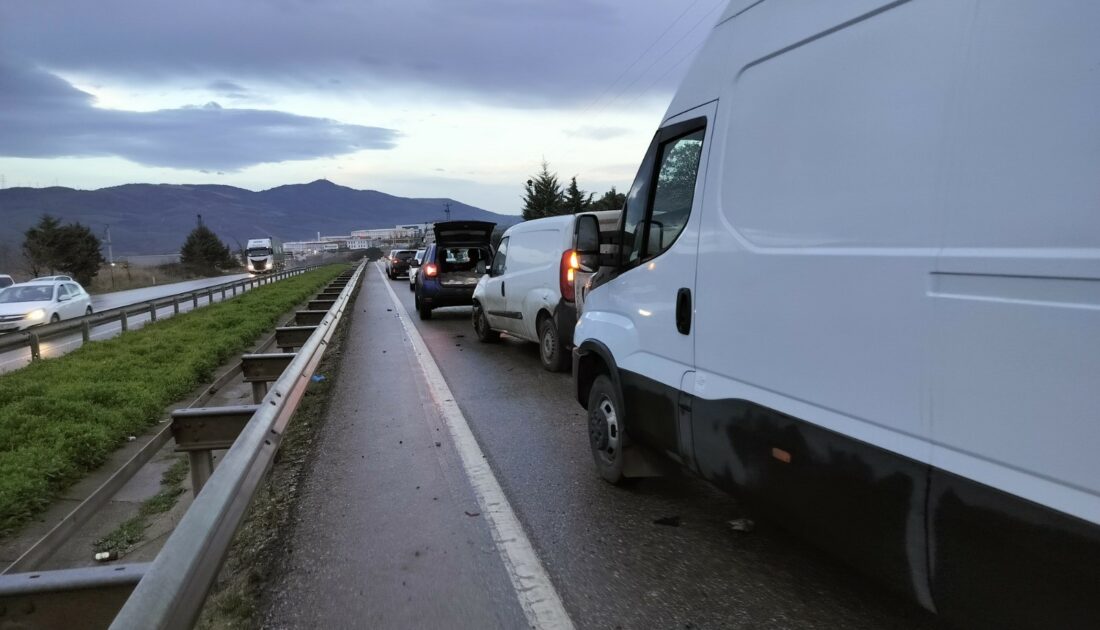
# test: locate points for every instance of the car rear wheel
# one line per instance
(425, 311)
(412, 285)
(484, 332)
(551, 351)
(606, 436)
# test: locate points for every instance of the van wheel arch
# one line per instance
(595, 359)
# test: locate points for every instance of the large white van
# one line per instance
(858, 283)
(529, 292)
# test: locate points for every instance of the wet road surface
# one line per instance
(611, 563)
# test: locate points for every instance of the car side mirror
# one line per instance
(481, 268)
(586, 242)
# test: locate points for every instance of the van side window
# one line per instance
(678, 167)
(500, 257)
(634, 212)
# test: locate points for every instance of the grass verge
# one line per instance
(60, 418)
(236, 599)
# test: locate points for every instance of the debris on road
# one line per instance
(472, 513)
(742, 525)
(670, 521)
(317, 378)
(438, 444)
(106, 556)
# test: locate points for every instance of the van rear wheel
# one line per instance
(552, 352)
(606, 436)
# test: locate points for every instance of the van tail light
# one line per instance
(431, 270)
(568, 275)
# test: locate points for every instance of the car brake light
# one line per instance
(567, 275)
(431, 270)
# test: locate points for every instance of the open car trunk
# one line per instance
(463, 233)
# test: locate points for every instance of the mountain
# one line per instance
(155, 218)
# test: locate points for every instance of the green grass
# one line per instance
(60, 418)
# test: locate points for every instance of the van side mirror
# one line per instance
(586, 242)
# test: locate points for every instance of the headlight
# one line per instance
(36, 314)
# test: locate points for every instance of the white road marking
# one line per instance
(535, 591)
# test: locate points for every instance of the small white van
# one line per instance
(529, 291)
(858, 284)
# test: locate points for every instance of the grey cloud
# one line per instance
(43, 116)
(520, 52)
(597, 133)
(228, 89)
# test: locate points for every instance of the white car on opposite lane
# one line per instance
(33, 303)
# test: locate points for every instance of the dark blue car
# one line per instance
(452, 265)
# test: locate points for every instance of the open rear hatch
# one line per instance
(463, 233)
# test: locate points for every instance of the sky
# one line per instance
(418, 98)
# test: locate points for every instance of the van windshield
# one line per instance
(259, 251)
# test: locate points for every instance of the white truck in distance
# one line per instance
(264, 255)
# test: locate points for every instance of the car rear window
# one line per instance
(461, 258)
(406, 254)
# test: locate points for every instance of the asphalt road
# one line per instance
(613, 565)
(57, 346)
(107, 301)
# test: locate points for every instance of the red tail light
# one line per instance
(568, 273)
(431, 270)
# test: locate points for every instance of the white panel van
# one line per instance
(858, 283)
(530, 290)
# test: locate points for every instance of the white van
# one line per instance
(529, 292)
(859, 284)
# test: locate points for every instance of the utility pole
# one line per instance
(447, 210)
(110, 250)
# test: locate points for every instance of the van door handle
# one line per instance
(683, 310)
(501, 288)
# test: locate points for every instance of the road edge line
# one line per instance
(536, 593)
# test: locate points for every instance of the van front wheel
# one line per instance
(605, 429)
(484, 333)
(551, 351)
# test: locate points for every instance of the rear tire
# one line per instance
(484, 332)
(552, 352)
(412, 286)
(422, 309)
(606, 436)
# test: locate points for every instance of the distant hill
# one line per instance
(155, 218)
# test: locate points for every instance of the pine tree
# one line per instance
(204, 253)
(576, 200)
(611, 200)
(40, 245)
(543, 196)
(78, 252)
(70, 249)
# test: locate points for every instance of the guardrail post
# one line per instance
(210, 296)
(36, 351)
(175, 306)
(124, 320)
(223, 294)
(234, 287)
(152, 311)
(202, 466)
(85, 331)
(194, 300)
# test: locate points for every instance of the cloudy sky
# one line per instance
(421, 98)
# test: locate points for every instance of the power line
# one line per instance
(639, 57)
(666, 73)
(664, 54)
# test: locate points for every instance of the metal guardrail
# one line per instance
(171, 590)
(33, 337)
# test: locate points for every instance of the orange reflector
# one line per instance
(781, 455)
